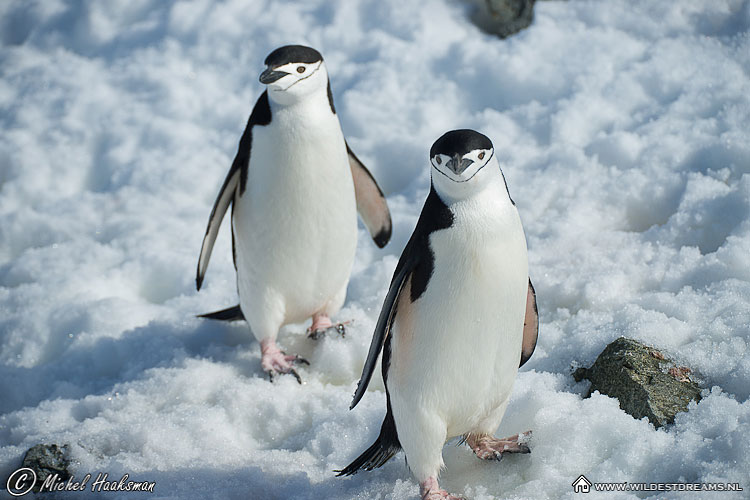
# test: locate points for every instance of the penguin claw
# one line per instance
(315, 334)
(272, 374)
(522, 448)
(276, 362)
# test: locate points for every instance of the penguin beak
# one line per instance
(458, 164)
(270, 76)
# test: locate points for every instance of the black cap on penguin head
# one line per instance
(292, 54)
(460, 142)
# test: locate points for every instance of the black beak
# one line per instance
(457, 164)
(270, 76)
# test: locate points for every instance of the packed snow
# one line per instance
(623, 129)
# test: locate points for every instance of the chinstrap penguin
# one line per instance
(294, 187)
(458, 320)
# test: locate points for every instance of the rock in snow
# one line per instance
(644, 381)
(47, 460)
(504, 17)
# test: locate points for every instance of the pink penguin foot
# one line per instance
(429, 490)
(322, 324)
(275, 361)
(491, 448)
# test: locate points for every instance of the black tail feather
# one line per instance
(375, 456)
(381, 450)
(233, 313)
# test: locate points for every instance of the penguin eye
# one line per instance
(301, 69)
(438, 160)
(481, 155)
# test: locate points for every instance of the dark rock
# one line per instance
(644, 381)
(503, 17)
(47, 460)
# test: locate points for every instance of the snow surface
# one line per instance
(624, 132)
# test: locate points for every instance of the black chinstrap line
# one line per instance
(472, 175)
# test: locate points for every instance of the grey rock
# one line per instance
(643, 380)
(46, 460)
(503, 17)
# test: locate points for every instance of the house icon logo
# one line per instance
(581, 485)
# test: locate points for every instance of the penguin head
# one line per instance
(459, 158)
(293, 72)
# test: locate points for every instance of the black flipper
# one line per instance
(234, 184)
(415, 266)
(385, 320)
(233, 313)
(371, 203)
(225, 198)
(417, 261)
(530, 326)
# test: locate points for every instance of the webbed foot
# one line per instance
(491, 448)
(322, 324)
(276, 362)
(429, 490)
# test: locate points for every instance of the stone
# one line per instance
(47, 460)
(503, 17)
(643, 380)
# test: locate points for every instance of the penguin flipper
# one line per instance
(385, 320)
(530, 326)
(235, 182)
(371, 203)
(416, 261)
(225, 198)
(233, 313)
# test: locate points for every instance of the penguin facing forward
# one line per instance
(295, 187)
(458, 320)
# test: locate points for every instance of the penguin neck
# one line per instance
(487, 214)
(489, 180)
(314, 105)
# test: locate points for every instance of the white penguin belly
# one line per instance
(295, 226)
(456, 352)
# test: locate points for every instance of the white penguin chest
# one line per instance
(296, 158)
(295, 225)
(461, 340)
(299, 177)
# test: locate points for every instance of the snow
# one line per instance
(623, 129)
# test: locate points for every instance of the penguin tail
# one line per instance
(375, 456)
(382, 450)
(233, 313)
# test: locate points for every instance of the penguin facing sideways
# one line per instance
(458, 320)
(295, 187)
